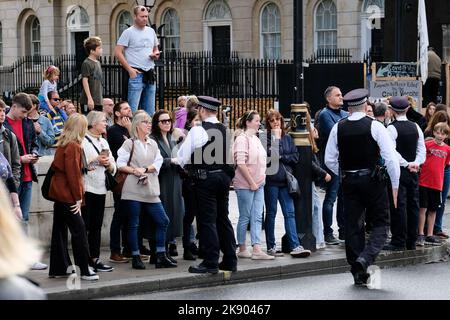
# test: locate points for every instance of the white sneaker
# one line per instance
(91, 277)
(300, 252)
(261, 256)
(244, 254)
(39, 266)
(321, 246)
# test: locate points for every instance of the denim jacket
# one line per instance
(46, 139)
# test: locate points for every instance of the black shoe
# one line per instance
(224, 267)
(163, 262)
(137, 263)
(173, 250)
(203, 269)
(188, 255)
(100, 267)
(194, 249)
(152, 259)
(331, 240)
(361, 279)
(391, 247)
(170, 258)
(359, 271)
(145, 251)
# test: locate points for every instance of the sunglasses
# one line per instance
(56, 99)
(274, 119)
(165, 121)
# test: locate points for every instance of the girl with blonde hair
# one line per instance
(68, 187)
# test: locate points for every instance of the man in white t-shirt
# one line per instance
(137, 49)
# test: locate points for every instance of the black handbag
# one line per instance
(292, 183)
(45, 189)
(110, 180)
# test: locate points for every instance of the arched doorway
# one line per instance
(372, 26)
(217, 29)
(78, 31)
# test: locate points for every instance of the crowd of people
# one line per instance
(168, 169)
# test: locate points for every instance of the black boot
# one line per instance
(163, 262)
(188, 255)
(168, 254)
(173, 250)
(194, 249)
(137, 263)
(170, 258)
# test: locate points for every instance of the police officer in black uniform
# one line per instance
(353, 151)
(409, 141)
(205, 150)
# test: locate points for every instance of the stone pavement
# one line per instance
(126, 281)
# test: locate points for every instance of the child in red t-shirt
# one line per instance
(431, 181)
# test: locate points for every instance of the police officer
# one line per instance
(206, 151)
(354, 149)
(409, 141)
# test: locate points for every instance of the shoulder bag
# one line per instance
(122, 176)
(110, 180)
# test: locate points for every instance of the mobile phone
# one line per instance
(37, 155)
(143, 177)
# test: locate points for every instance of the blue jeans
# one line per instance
(158, 215)
(24, 191)
(273, 194)
(251, 205)
(141, 95)
(332, 192)
(444, 194)
(317, 223)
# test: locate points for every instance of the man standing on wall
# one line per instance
(137, 49)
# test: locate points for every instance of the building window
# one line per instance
(271, 32)
(379, 4)
(123, 22)
(78, 19)
(35, 37)
(171, 31)
(218, 10)
(1, 44)
(326, 25)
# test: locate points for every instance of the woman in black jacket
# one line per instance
(280, 145)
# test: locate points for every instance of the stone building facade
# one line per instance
(253, 28)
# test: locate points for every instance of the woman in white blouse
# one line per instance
(141, 159)
(99, 159)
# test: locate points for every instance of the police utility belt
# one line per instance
(379, 173)
(202, 174)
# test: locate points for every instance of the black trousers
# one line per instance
(430, 91)
(93, 213)
(405, 219)
(190, 210)
(118, 226)
(215, 230)
(364, 195)
(60, 261)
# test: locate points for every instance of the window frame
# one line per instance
(324, 31)
(118, 24)
(262, 33)
(169, 38)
